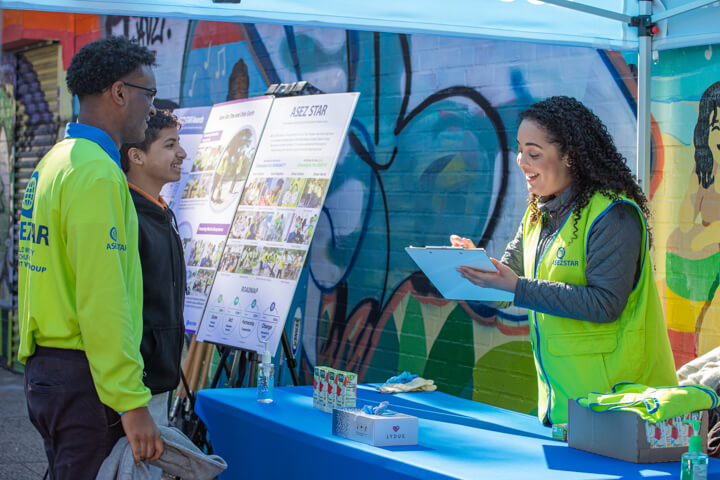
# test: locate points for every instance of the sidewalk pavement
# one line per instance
(22, 456)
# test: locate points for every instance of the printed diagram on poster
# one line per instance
(275, 220)
(207, 198)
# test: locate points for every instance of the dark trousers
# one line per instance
(78, 430)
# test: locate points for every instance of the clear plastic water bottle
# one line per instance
(265, 378)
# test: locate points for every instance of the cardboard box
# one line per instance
(626, 436)
(385, 430)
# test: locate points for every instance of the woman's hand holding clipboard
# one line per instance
(444, 267)
(501, 278)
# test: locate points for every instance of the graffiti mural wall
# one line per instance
(166, 37)
(430, 152)
(687, 201)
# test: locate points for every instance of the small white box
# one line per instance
(388, 429)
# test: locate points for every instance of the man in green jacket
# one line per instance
(80, 283)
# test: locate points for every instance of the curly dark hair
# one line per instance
(160, 121)
(707, 115)
(595, 163)
(100, 63)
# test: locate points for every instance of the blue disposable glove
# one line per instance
(404, 377)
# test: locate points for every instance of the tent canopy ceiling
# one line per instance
(526, 20)
(695, 27)
(522, 20)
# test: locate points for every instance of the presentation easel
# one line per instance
(245, 361)
(235, 363)
(268, 239)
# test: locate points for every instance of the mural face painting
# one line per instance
(692, 255)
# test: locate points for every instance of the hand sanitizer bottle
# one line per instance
(265, 378)
(694, 463)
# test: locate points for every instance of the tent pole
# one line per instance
(643, 105)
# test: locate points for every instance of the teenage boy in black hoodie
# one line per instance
(149, 165)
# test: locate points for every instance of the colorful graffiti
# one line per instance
(430, 152)
(165, 37)
(688, 215)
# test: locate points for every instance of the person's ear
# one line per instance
(566, 160)
(117, 93)
(136, 156)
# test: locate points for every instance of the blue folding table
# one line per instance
(458, 438)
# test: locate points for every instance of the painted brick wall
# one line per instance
(431, 151)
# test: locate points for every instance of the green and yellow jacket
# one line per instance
(80, 283)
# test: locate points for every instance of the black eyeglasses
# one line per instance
(153, 91)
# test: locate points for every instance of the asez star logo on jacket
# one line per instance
(115, 245)
(28, 202)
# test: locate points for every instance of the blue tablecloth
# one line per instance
(458, 438)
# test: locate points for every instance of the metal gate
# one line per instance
(38, 74)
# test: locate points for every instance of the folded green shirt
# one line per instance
(652, 403)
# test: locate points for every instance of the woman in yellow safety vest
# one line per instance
(579, 261)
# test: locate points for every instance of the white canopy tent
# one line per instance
(608, 24)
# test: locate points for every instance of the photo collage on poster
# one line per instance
(207, 199)
(273, 227)
(276, 217)
(218, 171)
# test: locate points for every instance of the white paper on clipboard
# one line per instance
(440, 266)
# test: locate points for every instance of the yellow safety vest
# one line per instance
(575, 357)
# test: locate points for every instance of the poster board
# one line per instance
(192, 121)
(212, 189)
(275, 220)
(192, 125)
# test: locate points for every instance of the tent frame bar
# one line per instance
(626, 18)
(680, 10)
(600, 12)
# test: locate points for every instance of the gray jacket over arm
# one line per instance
(613, 264)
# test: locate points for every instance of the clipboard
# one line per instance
(440, 266)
